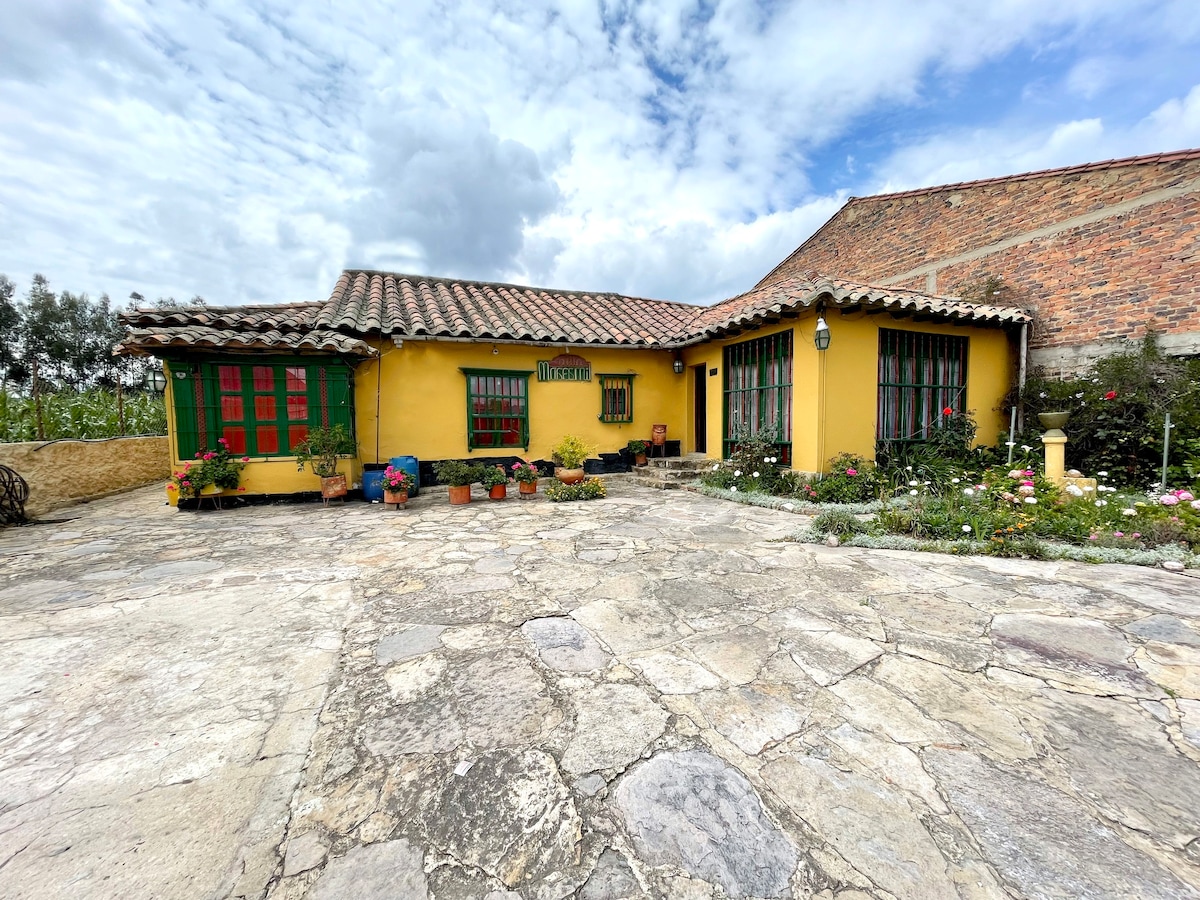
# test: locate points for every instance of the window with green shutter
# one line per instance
(616, 398)
(260, 407)
(758, 391)
(497, 408)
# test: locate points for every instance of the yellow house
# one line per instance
(439, 368)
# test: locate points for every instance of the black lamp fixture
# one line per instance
(821, 335)
(155, 380)
(677, 366)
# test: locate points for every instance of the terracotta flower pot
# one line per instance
(528, 488)
(498, 491)
(333, 486)
(400, 498)
(569, 476)
(460, 494)
(639, 459)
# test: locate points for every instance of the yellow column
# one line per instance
(1055, 442)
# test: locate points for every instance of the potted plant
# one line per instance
(459, 476)
(526, 474)
(638, 449)
(495, 480)
(569, 454)
(396, 483)
(320, 451)
(211, 472)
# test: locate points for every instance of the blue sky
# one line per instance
(247, 150)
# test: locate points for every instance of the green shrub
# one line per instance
(457, 473)
(839, 522)
(851, 479)
(591, 489)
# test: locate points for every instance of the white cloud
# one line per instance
(249, 149)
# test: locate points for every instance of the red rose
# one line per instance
(1111, 395)
(948, 411)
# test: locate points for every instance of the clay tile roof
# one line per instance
(385, 303)
(790, 295)
(273, 328)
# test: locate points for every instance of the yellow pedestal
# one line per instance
(1055, 443)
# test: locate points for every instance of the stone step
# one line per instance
(680, 463)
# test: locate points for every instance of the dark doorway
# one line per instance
(700, 373)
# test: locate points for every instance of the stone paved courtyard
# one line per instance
(651, 695)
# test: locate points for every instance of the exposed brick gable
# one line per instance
(1102, 251)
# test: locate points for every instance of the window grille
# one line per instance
(616, 398)
(920, 375)
(758, 391)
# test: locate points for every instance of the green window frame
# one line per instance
(920, 375)
(262, 407)
(616, 398)
(497, 408)
(758, 391)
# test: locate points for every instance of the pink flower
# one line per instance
(171, 487)
(209, 455)
(852, 471)
(1196, 505)
(1118, 534)
(186, 466)
(186, 483)
(1091, 537)
(241, 489)
(1168, 500)
(1185, 496)
(245, 459)
(1028, 472)
(1136, 534)
(222, 441)
(1027, 483)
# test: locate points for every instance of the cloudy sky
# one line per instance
(247, 150)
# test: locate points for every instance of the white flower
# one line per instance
(1196, 505)
(926, 483)
(774, 459)
(913, 493)
(954, 481)
(733, 490)
(1102, 503)
(1010, 443)
(913, 483)
(737, 474)
(1031, 499)
(716, 467)
(967, 528)
(766, 459)
(969, 492)
(1129, 512)
(1042, 395)
(1074, 490)
(755, 475)
(1102, 474)
(908, 468)
(1026, 447)
(1088, 488)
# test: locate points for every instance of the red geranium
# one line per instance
(1111, 395)
(948, 411)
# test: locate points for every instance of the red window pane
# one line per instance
(230, 377)
(296, 433)
(235, 437)
(264, 378)
(297, 408)
(264, 409)
(231, 408)
(267, 437)
(297, 378)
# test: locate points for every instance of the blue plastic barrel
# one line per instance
(373, 485)
(412, 466)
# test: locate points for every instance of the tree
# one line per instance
(10, 334)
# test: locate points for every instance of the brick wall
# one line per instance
(1099, 253)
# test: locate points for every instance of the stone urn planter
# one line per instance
(1053, 420)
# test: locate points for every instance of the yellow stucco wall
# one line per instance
(413, 399)
(423, 399)
(834, 392)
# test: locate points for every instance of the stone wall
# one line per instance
(56, 470)
(1100, 253)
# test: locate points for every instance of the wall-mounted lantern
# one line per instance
(821, 335)
(155, 380)
(677, 366)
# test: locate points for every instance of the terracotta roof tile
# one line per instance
(384, 304)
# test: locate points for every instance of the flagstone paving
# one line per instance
(651, 695)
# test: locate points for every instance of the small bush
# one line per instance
(851, 479)
(839, 522)
(591, 489)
